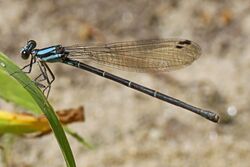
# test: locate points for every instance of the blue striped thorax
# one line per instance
(50, 54)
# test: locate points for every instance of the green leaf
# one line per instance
(78, 137)
(8, 67)
(11, 90)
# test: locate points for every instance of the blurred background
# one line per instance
(127, 128)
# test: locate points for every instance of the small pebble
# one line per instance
(232, 111)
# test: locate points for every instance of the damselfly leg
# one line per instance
(46, 75)
(29, 66)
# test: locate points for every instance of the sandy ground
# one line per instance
(130, 129)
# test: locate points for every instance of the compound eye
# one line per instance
(25, 55)
(32, 44)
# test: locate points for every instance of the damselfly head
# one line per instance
(27, 50)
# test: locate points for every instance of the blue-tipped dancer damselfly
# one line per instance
(140, 56)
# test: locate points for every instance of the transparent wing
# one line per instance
(140, 56)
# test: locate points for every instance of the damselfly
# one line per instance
(141, 56)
